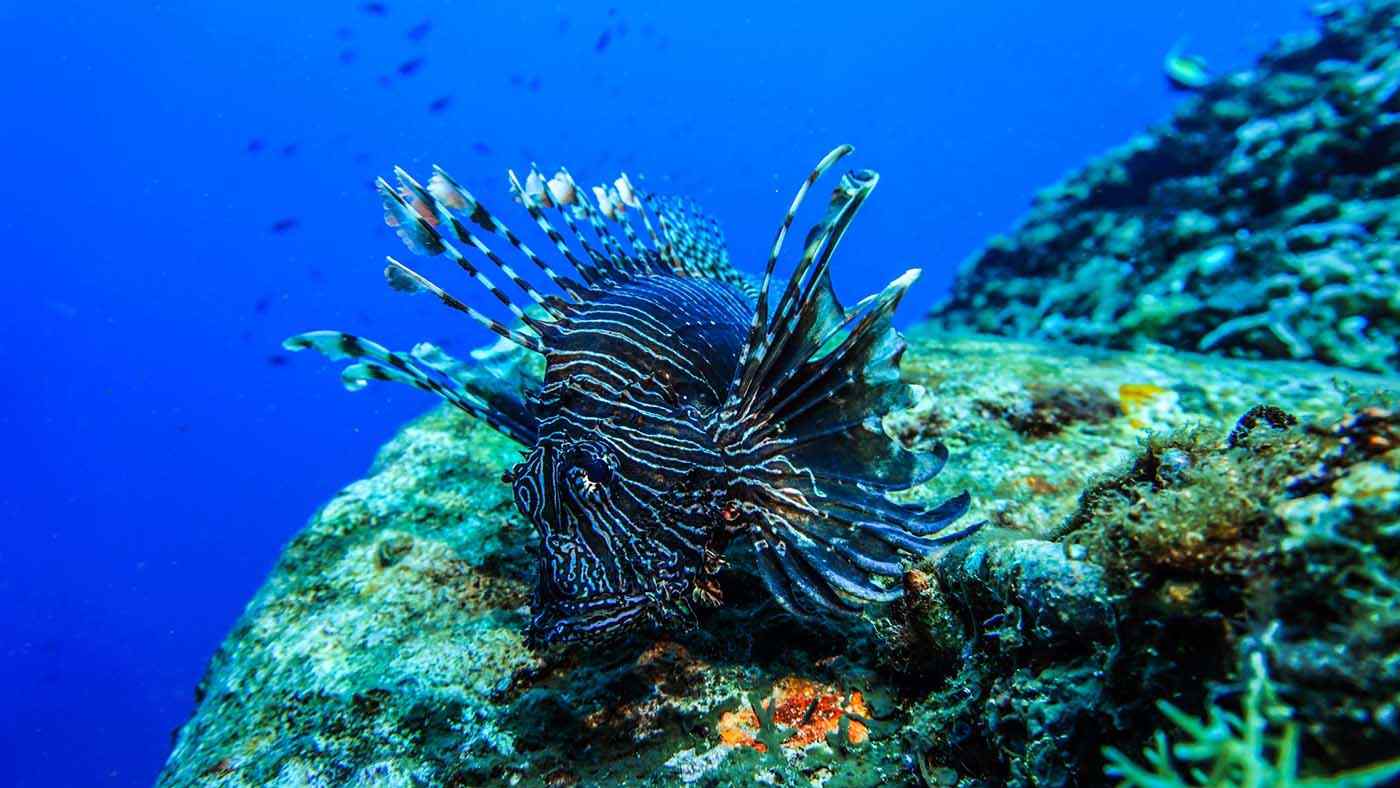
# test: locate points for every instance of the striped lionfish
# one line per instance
(680, 408)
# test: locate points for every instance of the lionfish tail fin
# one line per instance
(803, 424)
(426, 368)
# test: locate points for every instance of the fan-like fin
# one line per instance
(802, 428)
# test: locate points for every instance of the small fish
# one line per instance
(563, 26)
(534, 86)
(482, 148)
(344, 33)
(255, 145)
(262, 305)
(410, 67)
(290, 149)
(384, 80)
(375, 9)
(439, 104)
(682, 408)
(347, 56)
(1185, 72)
(277, 360)
(516, 80)
(419, 31)
(603, 41)
(284, 226)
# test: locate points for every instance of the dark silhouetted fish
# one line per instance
(482, 148)
(277, 360)
(347, 56)
(375, 9)
(255, 145)
(344, 34)
(410, 67)
(419, 31)
(516, 80)
(290, 149)
(262, 305)
(282, 226)
(535, 84)
(603, 40)
(439, 104)
(681, 407)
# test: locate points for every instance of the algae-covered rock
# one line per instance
(1261, 221)
(1138, 546)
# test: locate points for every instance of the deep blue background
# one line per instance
(155, 458)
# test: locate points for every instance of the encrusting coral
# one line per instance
(1263, 220)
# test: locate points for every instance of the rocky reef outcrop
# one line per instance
(1148, 552)
(1261, 221)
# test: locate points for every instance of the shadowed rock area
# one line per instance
(1261, 221)
(1117, 570)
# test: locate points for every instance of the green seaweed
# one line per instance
(1256, 748)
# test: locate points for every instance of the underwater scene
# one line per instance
(429, 393)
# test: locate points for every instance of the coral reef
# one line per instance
(1261, 221)
(1149, 527)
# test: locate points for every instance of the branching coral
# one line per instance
(1257, 748)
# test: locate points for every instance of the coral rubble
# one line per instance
(1261, 221)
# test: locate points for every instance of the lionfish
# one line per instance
(681, 408)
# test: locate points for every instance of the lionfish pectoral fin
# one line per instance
(803, 422)
(427, 369)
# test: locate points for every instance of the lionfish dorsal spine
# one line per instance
(802, 426)
(759, 323)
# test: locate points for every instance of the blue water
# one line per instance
(158, 452)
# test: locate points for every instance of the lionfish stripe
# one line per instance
(532, 207)
(423, 238)
(466, 236)
(561, 281)
(523, 340)
(619, 260)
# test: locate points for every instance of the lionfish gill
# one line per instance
(681, 408)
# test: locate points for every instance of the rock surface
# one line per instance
(1132, 554)
(1262, 221)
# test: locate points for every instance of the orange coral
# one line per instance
(1134, 398)
(1039, 484)
(790, 700)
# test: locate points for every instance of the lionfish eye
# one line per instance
(590, 468)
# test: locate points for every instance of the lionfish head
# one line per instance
(614, 556)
